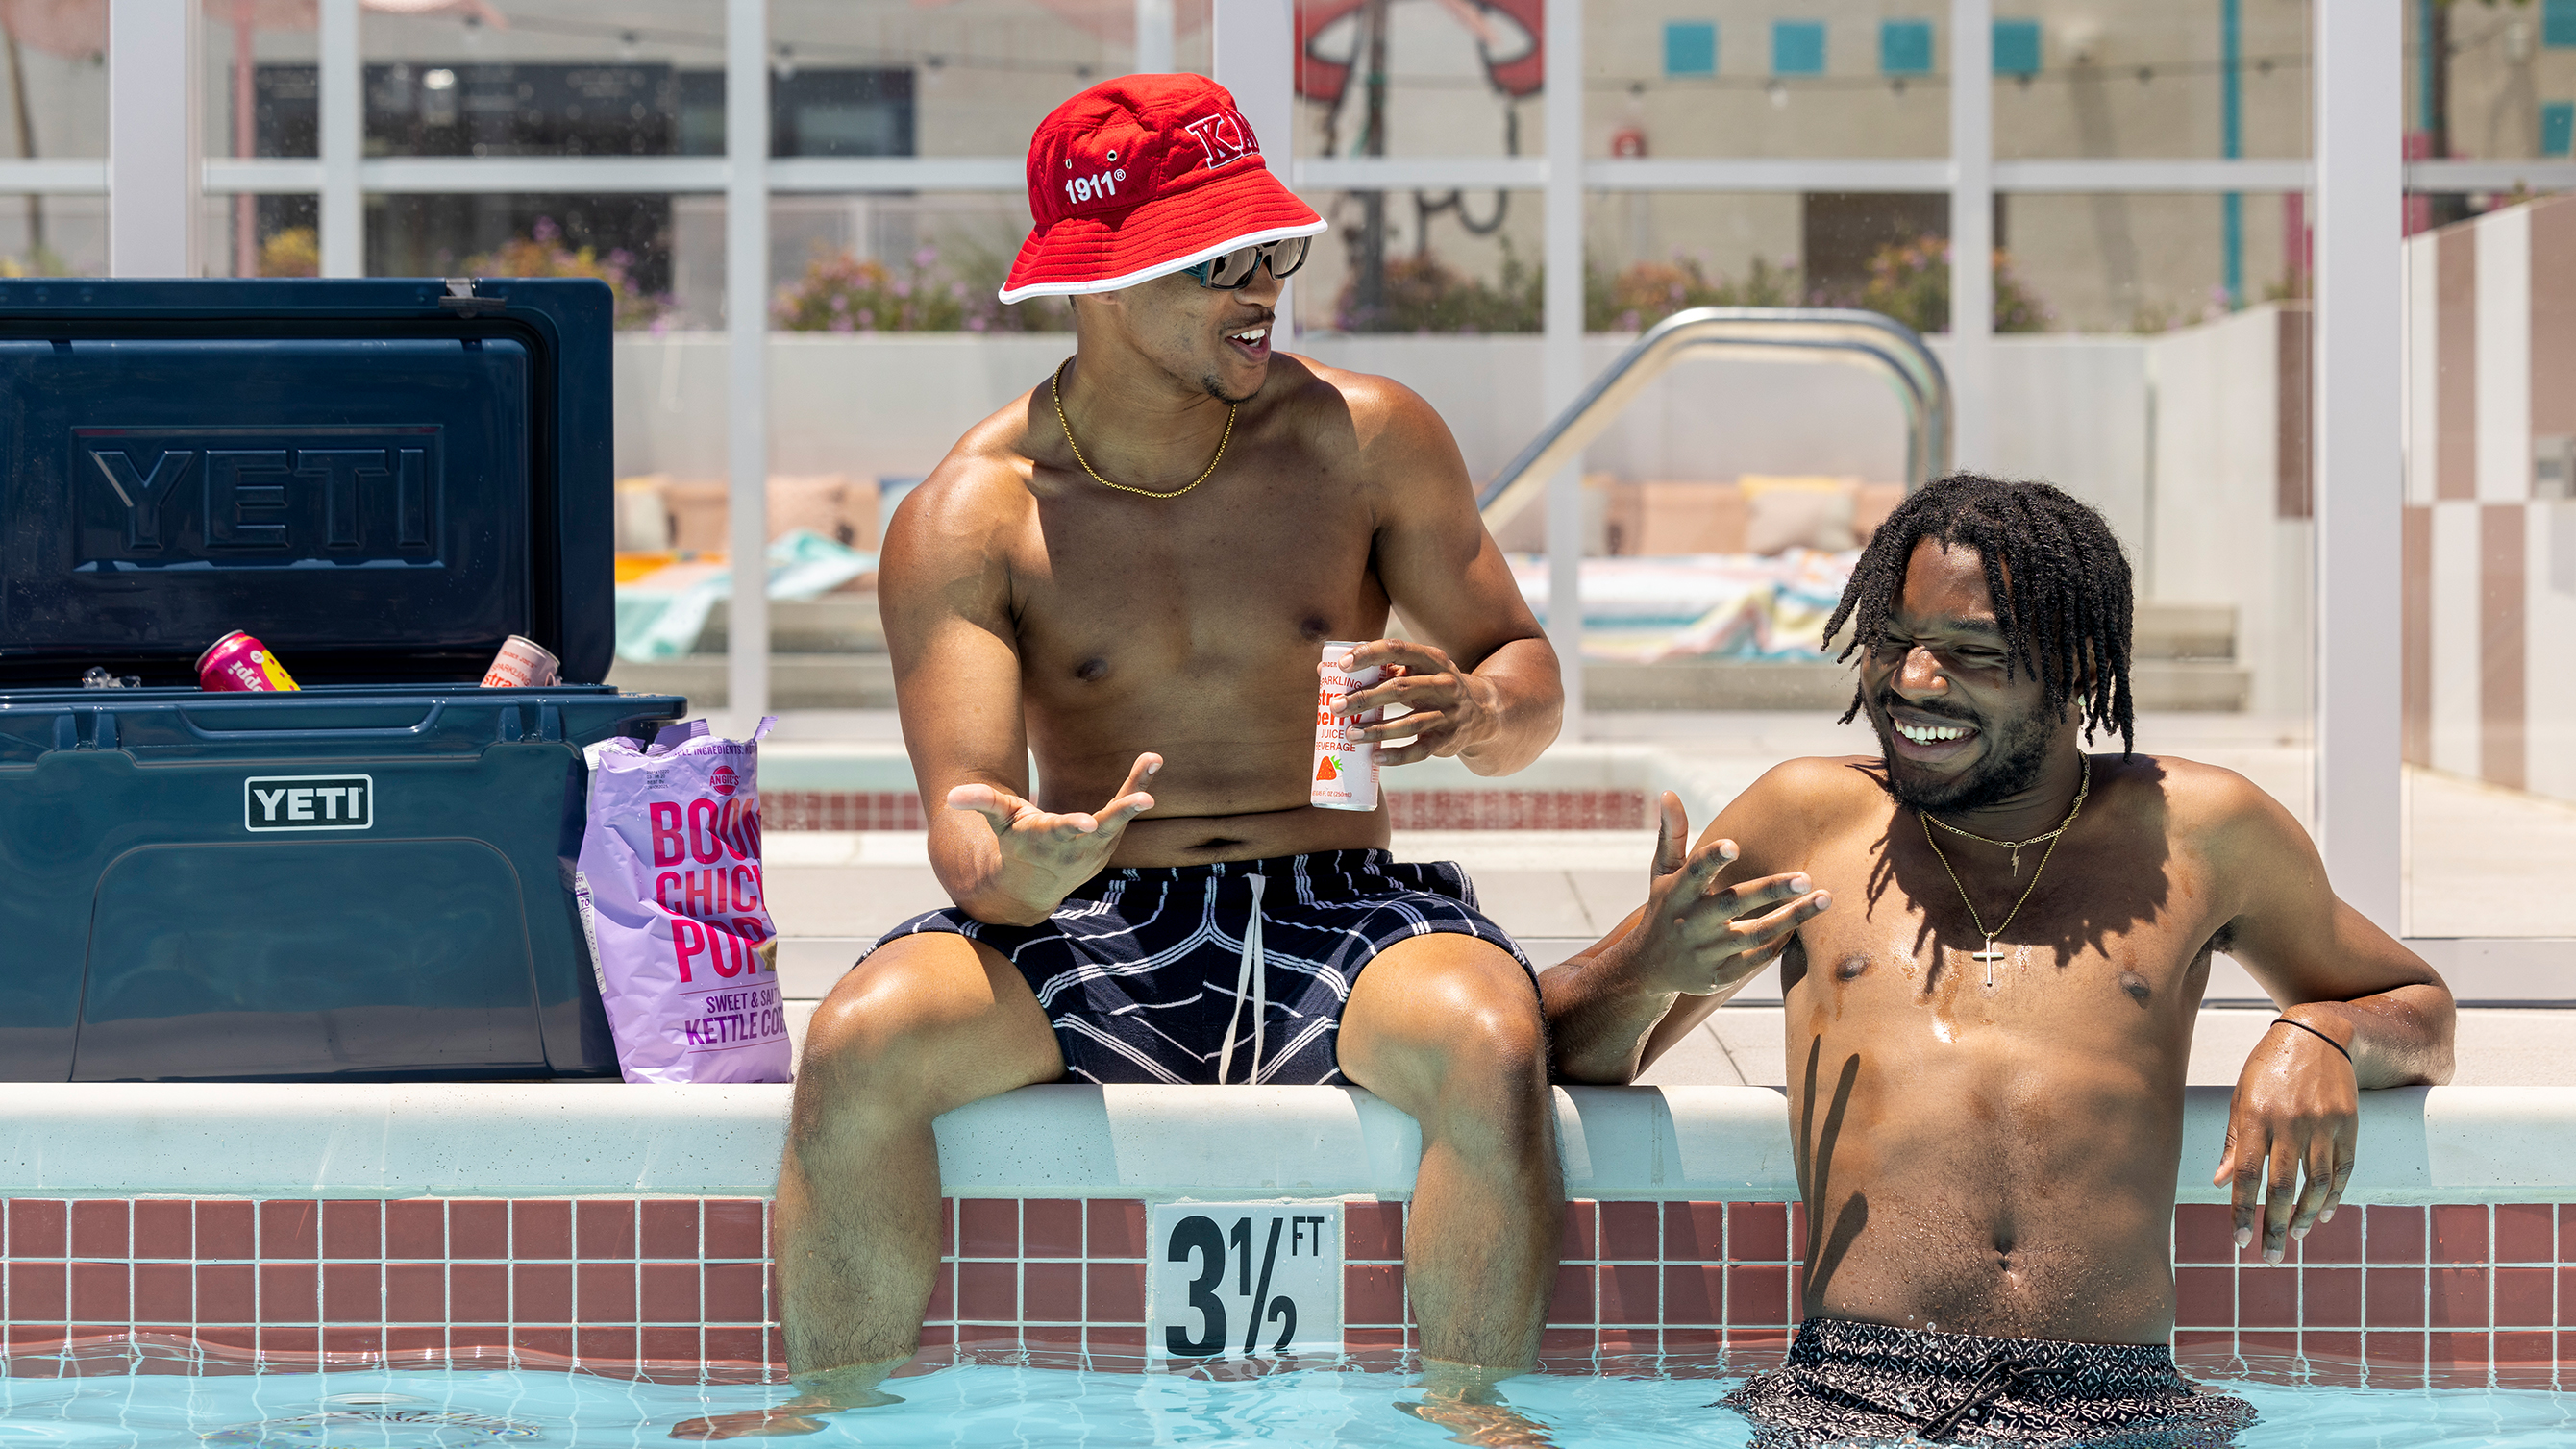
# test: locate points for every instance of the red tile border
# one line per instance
(1115, 1228)
(1612, 809)
(988, 1227)
(102, 1228)
(661, 1284)
(541, 1228)
(1051, 1228)
(416, 1228)
(165, 1229)
(478, 1228)
(353, 1229)
(2524, 1233)
(2395, 1234)
(2459, 1234)
(667, 1228)
(290, 1229)
(603, 1230)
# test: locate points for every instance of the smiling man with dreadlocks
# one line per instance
(1992, 947)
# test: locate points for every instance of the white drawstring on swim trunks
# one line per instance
(1253, 974)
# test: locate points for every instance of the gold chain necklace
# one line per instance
(1990, 955)
(1056, 394)
(2018, 846)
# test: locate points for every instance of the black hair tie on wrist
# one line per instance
(2312, 1031)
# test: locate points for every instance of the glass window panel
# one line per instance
(2490, 572)
(57, 236)
(561, 81)
(53, 63)
(2493, 97)
(625, 239)
(2115, 262)
(259, 87)
(964, 78)
(926, 262)
(2075, 79)
(1388, 79)
(1423, 261)
(1834, 80)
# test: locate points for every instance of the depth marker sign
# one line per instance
(1244, 1279)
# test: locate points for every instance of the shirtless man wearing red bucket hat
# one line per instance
(1132, 571)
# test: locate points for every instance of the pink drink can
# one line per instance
(1345, 775)
(240, 662)
(521, 664)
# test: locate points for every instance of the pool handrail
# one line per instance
(1844, 335)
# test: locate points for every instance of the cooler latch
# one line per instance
(460, 299)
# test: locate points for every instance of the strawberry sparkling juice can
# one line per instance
(1345, 775)
(240, 662)
(522, 664)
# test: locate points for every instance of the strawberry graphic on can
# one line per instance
(1345, 775)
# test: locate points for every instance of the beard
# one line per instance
(1216, 389)
(2017, 755)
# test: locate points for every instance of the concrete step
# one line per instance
(2183, 631)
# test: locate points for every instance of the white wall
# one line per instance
(2213, 534)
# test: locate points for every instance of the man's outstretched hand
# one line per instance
(1694, 940)
(1043, 855)
(2296, 1113)
(1449, 710)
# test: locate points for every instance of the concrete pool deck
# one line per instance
(1558, 890)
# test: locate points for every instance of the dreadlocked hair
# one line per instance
(2055, 570)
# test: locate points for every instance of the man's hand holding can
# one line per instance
(1447, 710)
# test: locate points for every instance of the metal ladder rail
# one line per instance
(1844, 336)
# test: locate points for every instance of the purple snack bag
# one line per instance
(672, 901)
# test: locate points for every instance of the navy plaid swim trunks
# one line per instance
(1849, 1382)
(1235, 971)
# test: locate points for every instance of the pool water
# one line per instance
(985, 1405)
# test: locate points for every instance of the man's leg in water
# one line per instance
(928, 1023)
(1447, 1028)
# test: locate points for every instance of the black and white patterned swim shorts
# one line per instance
(1847, 1382)
(1230, 972)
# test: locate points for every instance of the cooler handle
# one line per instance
(353, 732)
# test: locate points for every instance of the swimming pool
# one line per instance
(1638, 1403)
(599, 1256)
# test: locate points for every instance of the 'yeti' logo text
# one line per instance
(309, 802)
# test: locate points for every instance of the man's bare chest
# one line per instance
(1273, 563)
(2106, 931)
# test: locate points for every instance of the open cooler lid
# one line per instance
(380, 479)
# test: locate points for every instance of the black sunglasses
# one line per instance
(1235, 270)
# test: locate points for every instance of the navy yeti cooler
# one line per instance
(369, 878)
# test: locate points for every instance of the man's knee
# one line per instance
(1495, 1033)
(1458, 1027)
(924, 1021)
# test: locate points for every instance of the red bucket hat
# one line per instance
(1141, 176)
